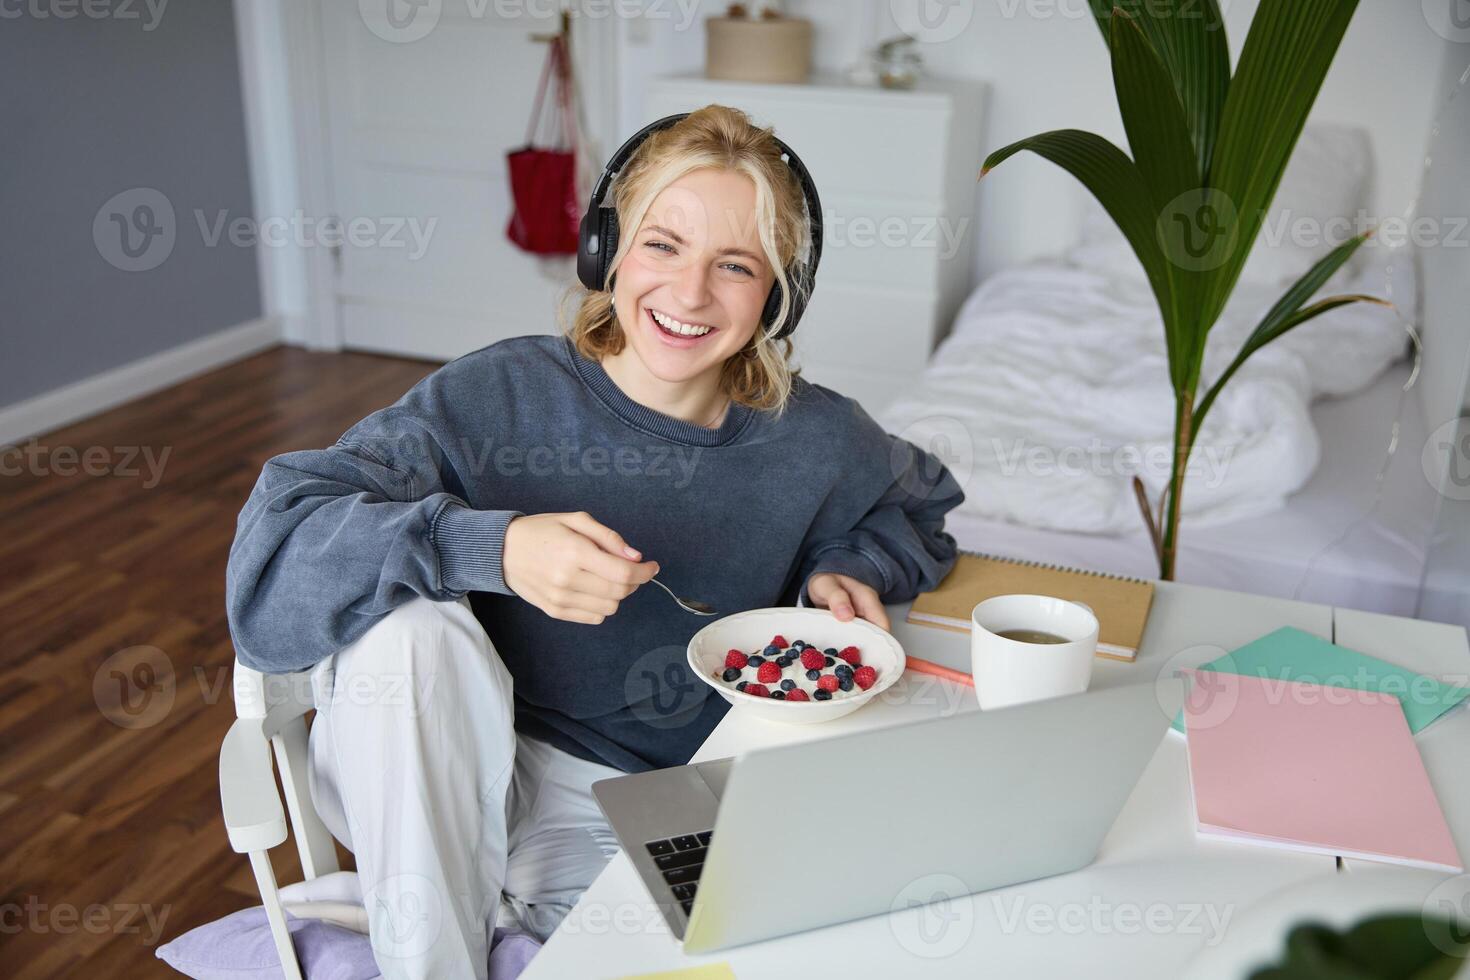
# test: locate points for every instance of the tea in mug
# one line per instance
(1031, 636)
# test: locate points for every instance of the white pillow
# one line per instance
(1327, 178)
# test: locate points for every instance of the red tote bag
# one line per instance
(543, 181)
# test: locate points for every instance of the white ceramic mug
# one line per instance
(1010, 672)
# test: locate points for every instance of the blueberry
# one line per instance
(822, 695)
(830, 651)
(779, 695)
(829, 662)
(772, 651)
(756, 660)
(812, 675)
(731, 674)
(741, 685)
(845, 683)
(787, 684)
(843, 669)
(798, 645)
(783, 661)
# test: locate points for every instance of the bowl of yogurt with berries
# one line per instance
(795, 665)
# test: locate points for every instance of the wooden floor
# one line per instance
(109, 800)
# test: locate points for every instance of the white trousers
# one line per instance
(455, 821)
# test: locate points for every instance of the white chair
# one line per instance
(271, 712)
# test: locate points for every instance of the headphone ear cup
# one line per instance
(609, 246)
(772, 310)
(587, 260)
(792, 319)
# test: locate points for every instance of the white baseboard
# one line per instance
(111, 388)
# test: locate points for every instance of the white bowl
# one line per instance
(750, 631)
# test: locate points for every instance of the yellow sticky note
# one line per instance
(710, 971)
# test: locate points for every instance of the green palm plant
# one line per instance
(1209, 149)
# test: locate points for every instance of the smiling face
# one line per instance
(692, 285)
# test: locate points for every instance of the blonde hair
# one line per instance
(713, 138)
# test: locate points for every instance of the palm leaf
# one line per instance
(1152, 115)
(1159, 138)
(1123, 192)
(1189, 36)
(1290, 312)
(1282, 64)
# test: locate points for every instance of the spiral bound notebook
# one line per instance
(1121, 603)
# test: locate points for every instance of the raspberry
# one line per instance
(768, 673)
(779, 641)
(812, 660)
(797, 695)
(736, 659)
(851, 655)
(865, 677)
(827, 682)
(757, 690)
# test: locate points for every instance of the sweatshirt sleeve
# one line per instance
(899, 547)
(332, 540)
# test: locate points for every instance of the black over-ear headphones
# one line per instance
(598, 240)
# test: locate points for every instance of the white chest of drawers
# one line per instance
(896, 171)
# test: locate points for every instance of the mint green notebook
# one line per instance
(1290, 654)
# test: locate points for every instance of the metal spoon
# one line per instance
(689, 605)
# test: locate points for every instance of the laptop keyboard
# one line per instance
(680, 859)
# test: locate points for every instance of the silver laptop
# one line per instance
(787, 839)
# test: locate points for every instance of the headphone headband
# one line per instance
(597, 241)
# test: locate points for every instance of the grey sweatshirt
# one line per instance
(414, 500)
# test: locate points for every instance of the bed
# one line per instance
(1065, 355)
(1326, 544)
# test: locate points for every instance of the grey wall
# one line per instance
(93, 107)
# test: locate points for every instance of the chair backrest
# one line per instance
(278, 696)
(282, 702)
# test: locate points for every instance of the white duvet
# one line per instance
(1051, 393)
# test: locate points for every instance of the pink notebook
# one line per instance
(1312, 768)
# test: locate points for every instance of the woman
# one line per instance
(463, 570)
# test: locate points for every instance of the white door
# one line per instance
(422, 99)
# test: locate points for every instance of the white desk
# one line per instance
(1154, 897)
(1439, 651)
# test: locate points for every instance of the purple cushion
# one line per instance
(239, 947)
